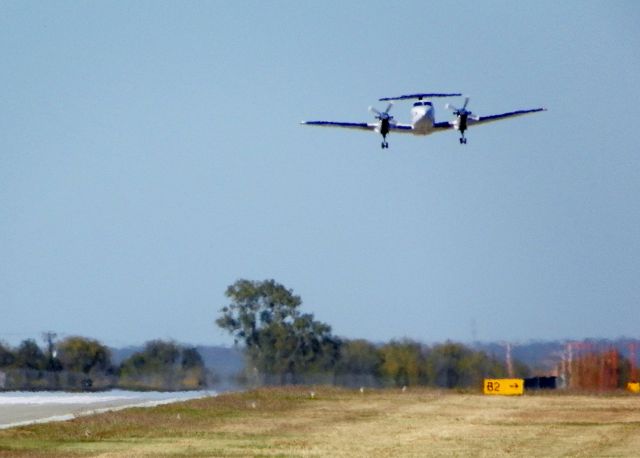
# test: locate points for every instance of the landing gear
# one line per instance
(463, 141)
(384, 143)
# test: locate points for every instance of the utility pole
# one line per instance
(49, 337)
(509, 360)
(633, 352)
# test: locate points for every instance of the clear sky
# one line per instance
(151, 154)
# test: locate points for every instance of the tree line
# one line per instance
(284, 345)
(76, 363)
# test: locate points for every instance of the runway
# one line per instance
(24, 408)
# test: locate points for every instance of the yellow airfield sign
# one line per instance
(633, 387)
(504, 386)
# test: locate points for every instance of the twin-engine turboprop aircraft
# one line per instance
(422, 118)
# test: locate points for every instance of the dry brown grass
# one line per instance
(337, 422)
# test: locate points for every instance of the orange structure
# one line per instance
(590, 368)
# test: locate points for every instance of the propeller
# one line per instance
(382, 115)
(462, 112)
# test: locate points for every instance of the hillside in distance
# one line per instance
(545, 356)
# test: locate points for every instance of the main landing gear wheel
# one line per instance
(463, 141)
(384, 145)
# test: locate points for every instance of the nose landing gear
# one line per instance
(384, 132)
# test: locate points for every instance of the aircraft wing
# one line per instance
(445, 125)
(344, 125)
(400, 128)
(498, 117)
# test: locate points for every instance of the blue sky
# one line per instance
(151, 154)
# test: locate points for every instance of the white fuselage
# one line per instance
(422, 118)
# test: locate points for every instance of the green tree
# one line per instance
(163, 365)
(403, 363)
(453, 365)
(7, 358)
(79, 354)
(191, 358)
(30, 356)
(279, 340)
(359, 363)
(160, 355)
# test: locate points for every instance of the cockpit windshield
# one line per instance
(422, 104)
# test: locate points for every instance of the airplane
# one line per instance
(422, 118)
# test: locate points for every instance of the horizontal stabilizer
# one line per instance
(419, 96)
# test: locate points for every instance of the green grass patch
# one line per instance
(340, 422)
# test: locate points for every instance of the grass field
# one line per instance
(340, 422)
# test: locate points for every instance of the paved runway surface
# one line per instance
(21, 408)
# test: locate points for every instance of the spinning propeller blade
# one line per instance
(462, 111)
(382, 114)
